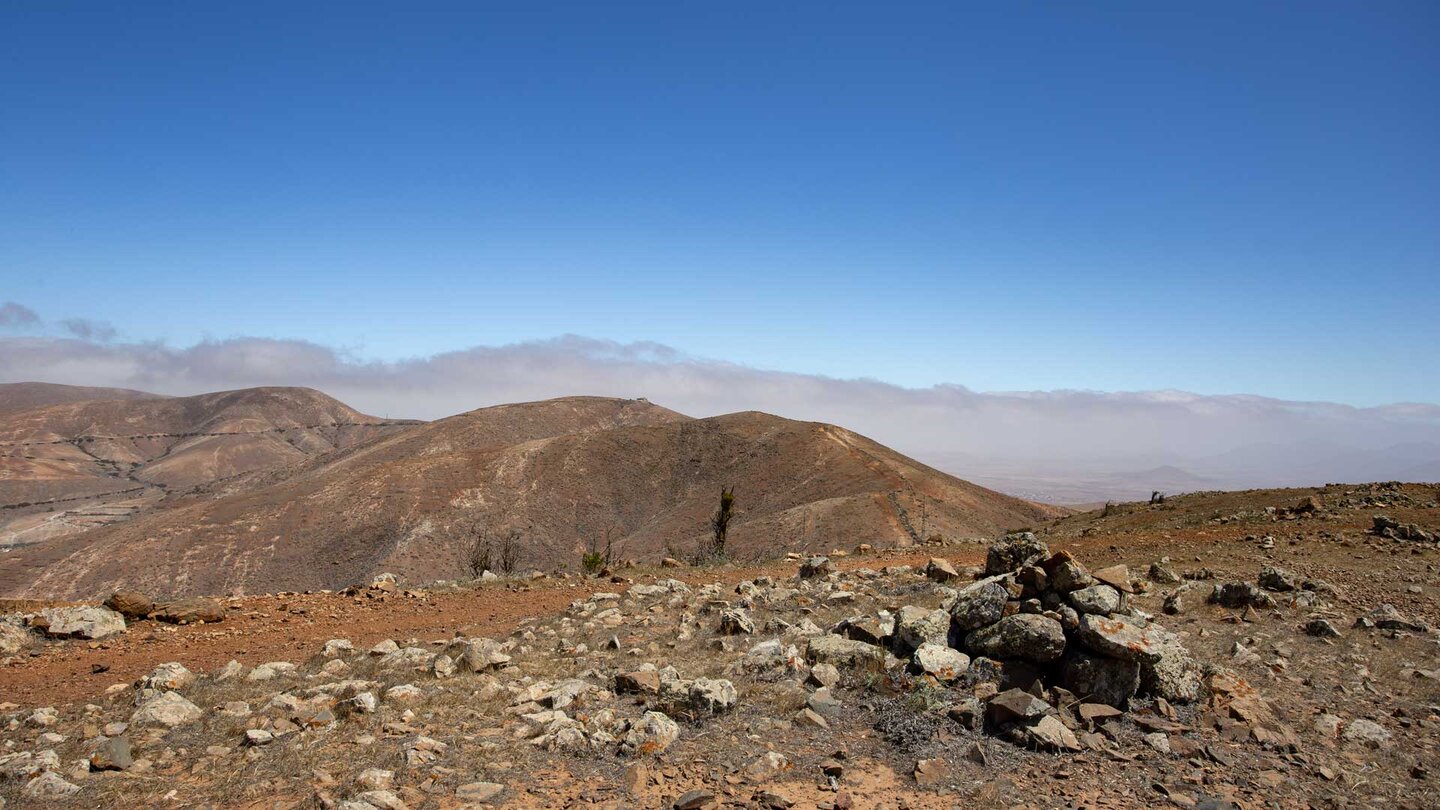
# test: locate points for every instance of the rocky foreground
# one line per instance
(1030, 681)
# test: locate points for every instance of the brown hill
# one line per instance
(561, 473)
(105, 454)
(24, 396)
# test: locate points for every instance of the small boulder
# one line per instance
(1099, 599)
(90, 622)
(651, 734)
(1015, 552)
(939, 569)
(979, 604)
(169, 709)
(131, 604)
(941, 662)
(191, 611)
(915, 626)
(112, 755)
(816, 567)
(844, 653)
(1099, 679)
(1026, 636)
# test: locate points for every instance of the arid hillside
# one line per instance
(15, 397)
(65, 466)
(557, 475)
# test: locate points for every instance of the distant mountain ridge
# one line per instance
(560, 473)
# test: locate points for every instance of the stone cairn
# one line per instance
(1046, 645)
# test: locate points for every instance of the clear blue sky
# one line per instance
(1224, 197)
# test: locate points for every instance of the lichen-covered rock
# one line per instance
(1276, 579)
(13, 639)
(1098, 599)
(1120, 637)
(651, 734)
(1171, 672)
(736, 621)
(1015, 552)
(168, 709)
(816, 567)
(1026, 636)
(915, 626)
(1240, 595)
(712, 696)
(844, 653)
(941, 662)
(978, 604)
(1098, 679)
(172, 675)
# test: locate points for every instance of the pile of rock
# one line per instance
(1395, 530)
(1270, 587)
(1061, 642)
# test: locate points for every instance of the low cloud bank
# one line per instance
(1017, 441)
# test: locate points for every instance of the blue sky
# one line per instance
(1229, 197)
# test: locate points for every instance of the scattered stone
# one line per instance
(844, 653)
(168, 709)
(112, 755)
(1241, 594)
(694, 800)
(1321, 628)
(939, 569)
(736, 621)
(825, 675)
(816, 568)
(172, 675)
(1163, 574)
(480, 792)
(1049, 734)
(651, 734)
(1367, 733)
(50, 785)
(930, 771)
(1015, 704)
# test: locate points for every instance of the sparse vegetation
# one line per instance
(713, 549)
(485, 552)
(599, 553)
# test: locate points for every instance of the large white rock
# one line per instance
(167, 709)
(80, 622)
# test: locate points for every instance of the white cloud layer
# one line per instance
(1059, 445)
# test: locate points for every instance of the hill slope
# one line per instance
(559, 472)
(99, 453)
(24, 396)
